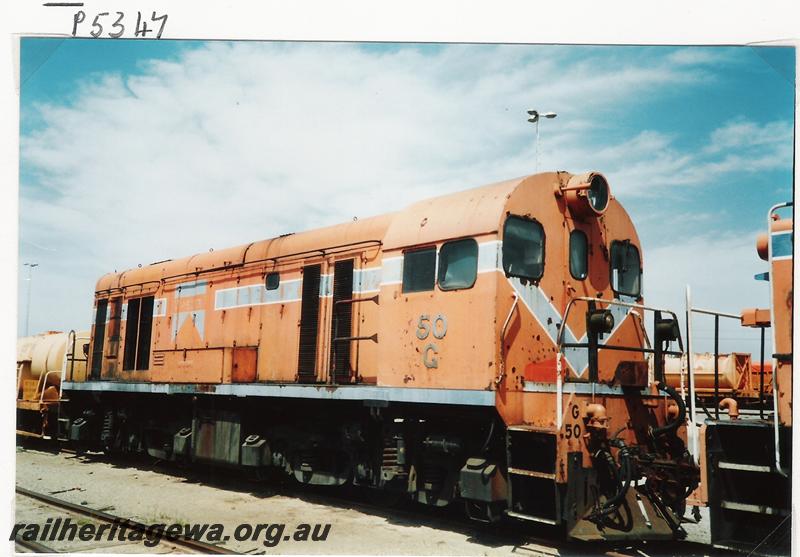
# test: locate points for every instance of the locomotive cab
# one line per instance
(570, 301)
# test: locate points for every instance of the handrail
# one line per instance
(689, 363)
(336, 338)
(776, 417)
(690, 311)
(717, 313)
(39, 384)
(561, 344)
(20, 367)
(330, 250)
(499, 378)
(692, 430)
(44, 385)
(72, 334)
(560, 336)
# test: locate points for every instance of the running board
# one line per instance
(750, 508)
(532, 473)
(23, 433)
(744, 467)
(532, 518)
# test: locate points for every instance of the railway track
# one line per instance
(534, 542)
(525, 539)
(182, 542)
(32, 547)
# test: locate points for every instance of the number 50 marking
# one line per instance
(425, 327)
(573, 430)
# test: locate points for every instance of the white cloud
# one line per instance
(651, 161)
(720, 271)
(746, 134)
(238, 142)
(695, 56)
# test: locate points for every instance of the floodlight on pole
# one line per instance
(533, 117)
(30, 267)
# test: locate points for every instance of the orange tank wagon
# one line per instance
(487, 346)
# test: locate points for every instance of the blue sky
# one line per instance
(242, 141)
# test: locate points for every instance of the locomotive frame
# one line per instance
(487, 346)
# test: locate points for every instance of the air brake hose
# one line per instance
(624, 477)
(681, 418)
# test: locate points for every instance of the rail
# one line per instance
(182, 540)
(32, 546)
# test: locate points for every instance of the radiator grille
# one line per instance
(342, 321)
(309, 324)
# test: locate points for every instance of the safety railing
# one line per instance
(597, 322)
(20, 367)
(44, 385)
(693, 398)
(69, 357)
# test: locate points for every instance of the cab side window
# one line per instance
(523, 248)
(419, 270)
(458, 264)
(578, 255)
(626, 269)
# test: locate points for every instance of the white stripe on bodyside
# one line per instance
(461, 397)
(367, 281)
(541, 307)
(257, 295)
(160, 307)
(193, 288)
(325, 286)
(490, 256)
(392, 271)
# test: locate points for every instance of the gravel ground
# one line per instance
(155, 494)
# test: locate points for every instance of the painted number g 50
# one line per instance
(573, 430)
(427, 327)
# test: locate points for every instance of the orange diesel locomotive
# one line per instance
(487, 346)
